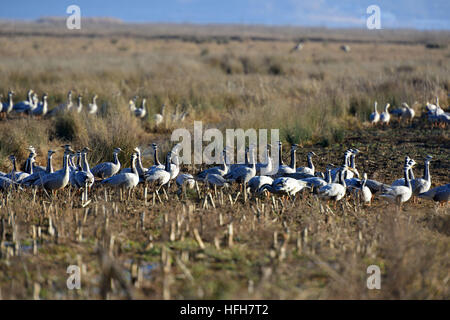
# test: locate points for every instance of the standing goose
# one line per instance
(79, 106)
(107, 169)
(385, 117)
(401, 181)
(7, 107)
(140, 169)
(336, 171)
(421, 185)
(42, 107)
(92, 107)
(18, 176)
(284, 169)
(160, 177)
(125, 180)
(364, 191)
(374, 116)
(334, 191)
(132, 104)
(64, 107)
(159, 117)
(56, 180)
(25, 105)
(220, 170)
(157, 164)
(243, 174)
(30, 180)
(399, 194)
(439, 194)
(408, 114)
(142, 111)
(309, 170)
(82, 177)
(267, 167)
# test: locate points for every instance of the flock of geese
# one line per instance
(35, 107)
(332, 185)
(435, 114)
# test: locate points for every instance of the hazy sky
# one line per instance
(418, 14)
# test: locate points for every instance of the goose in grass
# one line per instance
(334, 191)
(132, 104)
(214, 180)
(142, 111)
(284, 186)
(159, 117)
(82, 177)
(336, 171)
(185, 180)
(64, 107)
(399, 194)
(30, 180)
(42, 107)
(439, 194)
(401, 181)
(56, 180)
(267, 167)
(234, 166)
(139, 167)
(7, 107)
(107, 169)
(284, 169)
(374, 116)
(220, 170)
(363, 192)
(25, 105)
(243, 174)
(421, 185)
(79, 106)
(160, 177)
(16, 175)
(309, 170)
(125, 180)
(255, 183)
(157, 164)
(92, 107)
(408, 114)
(385, 117)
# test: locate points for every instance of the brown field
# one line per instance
(228, 77)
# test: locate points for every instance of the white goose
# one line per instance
(334, 191)
(7, 107)
(408, 114)
(159, 117)
(243, 174)
(284, 169)
(421, 185)
(79, 106)
(220, 170)
(284, 186)
(108, 169)
(25, 105)
(42, 107)
(309, 170)
(141, 170)
(125, 180)
(160, 177)
(56, 180)
(385, 117)
(255, 183)
(92, 107)
(399, 194)
(142, 111)
(374, 116)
